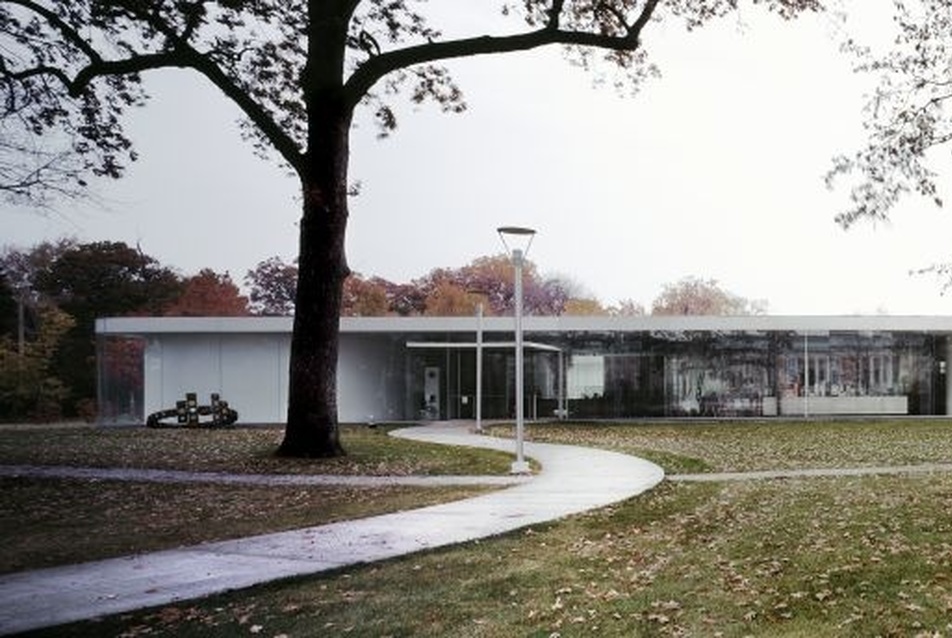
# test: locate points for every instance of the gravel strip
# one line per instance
(175, 476)
(928, 468)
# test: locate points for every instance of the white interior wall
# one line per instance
(254, 376)
(365, 388)
(249, 371)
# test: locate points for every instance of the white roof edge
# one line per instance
(172, 325)
(755, 323)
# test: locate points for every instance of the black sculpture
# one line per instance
(188, 413)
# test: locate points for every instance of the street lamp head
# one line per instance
(519, 237)
(515, 230)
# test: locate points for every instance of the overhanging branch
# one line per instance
(371, 71)
(135, 64)
(68, 32)
(283, 143)
(98, 67)
(203, 64)
(178, 53)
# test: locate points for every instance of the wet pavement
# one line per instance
(571, 480)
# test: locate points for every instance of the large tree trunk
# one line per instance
(312, 429)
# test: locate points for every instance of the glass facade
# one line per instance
(451, 393)
(395, 369)
(613, 375)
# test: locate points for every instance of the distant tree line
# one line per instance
(52, 294)
(50, 297)
(488, 281)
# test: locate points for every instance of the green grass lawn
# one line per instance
(46, 522)
(853, 556)
(743, 446)
(823, 557)
(245, 450)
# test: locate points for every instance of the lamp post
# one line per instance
(521, 239)
(479, 366)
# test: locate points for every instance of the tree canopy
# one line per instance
(297, 70)
(64, 287)
(908, 115)
(272, 286)
(93, 280)
(694, 296)
(209, 294)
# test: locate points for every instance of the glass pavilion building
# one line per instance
(413, 368)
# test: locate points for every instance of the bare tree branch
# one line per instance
(377, 67)
(69, 34)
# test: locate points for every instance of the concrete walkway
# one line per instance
(572, 480)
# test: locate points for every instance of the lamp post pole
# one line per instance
(519, 466)
(518, 255)
(479, 366)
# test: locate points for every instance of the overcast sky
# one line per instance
(714, 170)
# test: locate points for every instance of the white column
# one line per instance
(561, 383)
(479, 367)
(829, 372)
(948, 376)
(806, 375)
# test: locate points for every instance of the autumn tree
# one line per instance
(627, 308)
(448, 299)
(31, 332)
(694, 296)
(273, 284)
(909, 114)
(493, 276)
(364, 297)
(404, 300)
(576, 299)
(94, 280)
(22, 265)
(30, 383)
(584, 307)
(208, 294)
(449, 292)
(297, 70)
(492, 279)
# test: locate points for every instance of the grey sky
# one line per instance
(714, 169)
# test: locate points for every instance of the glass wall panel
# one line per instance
(586, 376)
(858, 373)
(719, 374)
(121, 371)
(499, 370)
(624, 375)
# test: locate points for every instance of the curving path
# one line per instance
(572, 480)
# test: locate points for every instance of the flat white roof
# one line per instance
(757, 323)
